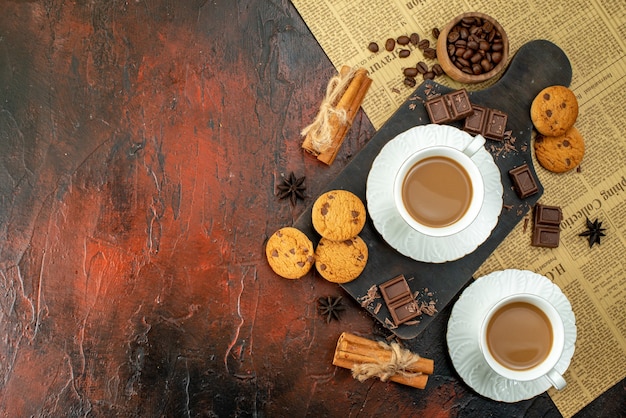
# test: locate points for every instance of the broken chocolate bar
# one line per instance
(495, 125)
(546, 236)
(546, 231)
(548, 215)
(523, 181)
(438, 110)
(490, 123)
(399, 300)
(475, 123)
(449, 107)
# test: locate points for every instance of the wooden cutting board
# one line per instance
(536, 65)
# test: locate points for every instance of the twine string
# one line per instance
(320, 130)
(401, 360)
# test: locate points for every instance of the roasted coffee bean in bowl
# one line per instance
(472, 48)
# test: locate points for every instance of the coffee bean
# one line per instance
(429, 75)
(404, 53)
(453, 36)
(437, 69)
(373, 47)
(435, 33)
(403, 40)
(430, 53)
(415, 38)
(421, 67)
(410, 72)
(497, 46)
(423, 44)
(463, 62)
(409, 82)
(486, 64)
(390, 44)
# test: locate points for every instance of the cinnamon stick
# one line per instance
(353, 350)
(347, 348)
(353, 104)
(350, 100)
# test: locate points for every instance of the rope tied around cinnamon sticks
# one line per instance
(344, 94)
(321, 128)
(401, 360)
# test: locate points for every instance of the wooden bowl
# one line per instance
(451, 68)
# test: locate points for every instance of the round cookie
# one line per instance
(560, 153)
(338, 215)
(290, 253)
(554, 110)
(341, 261)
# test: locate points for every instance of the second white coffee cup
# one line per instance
(522, 338)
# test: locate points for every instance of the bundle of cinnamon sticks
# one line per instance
(344, 97)
(353, 351)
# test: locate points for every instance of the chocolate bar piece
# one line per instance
(546, 236)
(495, 125)
(399, 300)
(438, 110)
(474, 123)
(459, 104)
(546, 231)
(449, 107)
(394, 290)
(404, 312)
(548, 215)
(490, 123)
(523, 181)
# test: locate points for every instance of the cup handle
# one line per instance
(556, 379)
(474, 145)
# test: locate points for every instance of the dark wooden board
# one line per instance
(536, 65)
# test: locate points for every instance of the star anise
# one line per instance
(330, 307)
(292, 187)
(594, 232)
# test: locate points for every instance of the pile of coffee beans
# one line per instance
(421, 68)
(475, 45)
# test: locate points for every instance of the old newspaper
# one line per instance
(593, 278)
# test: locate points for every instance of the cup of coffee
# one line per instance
(522, 338)
(439, 190)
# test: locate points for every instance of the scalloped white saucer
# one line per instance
(464, 325)
(395, 230)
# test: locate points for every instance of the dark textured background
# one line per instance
(140, 146)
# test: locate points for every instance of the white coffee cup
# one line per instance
(435, 196)
(515, 348)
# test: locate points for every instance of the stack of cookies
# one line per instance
(338, 216)
(559, 147)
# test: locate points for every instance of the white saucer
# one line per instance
(464, 325)
(395, 230)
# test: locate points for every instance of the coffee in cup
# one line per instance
(439, 190)
(522, 338)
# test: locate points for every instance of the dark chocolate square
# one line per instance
(460, 105)
(495, 125)
(395, 289)
(404, 312)
(475, 122)
(438, 110)
(523, 181)
(546, 236)
(548, 215)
